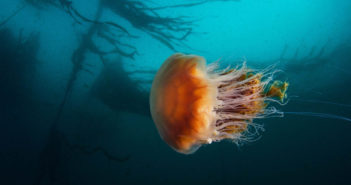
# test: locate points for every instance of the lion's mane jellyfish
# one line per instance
(193, 104)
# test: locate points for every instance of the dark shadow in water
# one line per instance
(50, 157)
(116, 89)
(18, 65)
(18, 62)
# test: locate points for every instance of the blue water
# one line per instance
(74, 88)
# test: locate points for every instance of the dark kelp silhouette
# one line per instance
(7, 19)
(18, 66)
(309, 64)
(314, 59)
(51, 155)
(18, 62)
(117, 90)
(170, 31)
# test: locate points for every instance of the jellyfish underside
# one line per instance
(193, 104)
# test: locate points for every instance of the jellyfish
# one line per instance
(193, 104)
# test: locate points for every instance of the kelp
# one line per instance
(18, 65)
(170, 31)
(7, 19)
(116, 89)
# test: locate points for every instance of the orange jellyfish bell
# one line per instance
(193, 104)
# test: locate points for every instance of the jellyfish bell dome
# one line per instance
(181, 102)
(192, 104)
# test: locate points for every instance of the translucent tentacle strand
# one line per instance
(243, 95)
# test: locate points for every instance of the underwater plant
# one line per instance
(130, 98)
(18, 63)
(7, 19)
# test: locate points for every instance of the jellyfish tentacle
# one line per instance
(321, 115)
(323, 102)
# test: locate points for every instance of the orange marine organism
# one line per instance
(193, 104)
